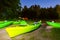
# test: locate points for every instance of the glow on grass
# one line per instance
(55, 25)
(14, 31)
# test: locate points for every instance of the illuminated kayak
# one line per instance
(23, 22)
(5, 24)
(20, 22)
(17, 30)
(53, 24)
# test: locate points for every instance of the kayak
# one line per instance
(18, 30)
(20, 22)
(53, 24)
(5, 24)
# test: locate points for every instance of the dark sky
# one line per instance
(42, 3)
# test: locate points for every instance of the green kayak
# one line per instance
(17, 30)
(5, 24)
(53, 24)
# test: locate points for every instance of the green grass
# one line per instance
(55, 34)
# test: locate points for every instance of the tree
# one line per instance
(40, 13)
(57, 9)
(9, 7)
(35, 11)
(52, 13)
(24, 12)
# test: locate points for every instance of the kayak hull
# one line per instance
(14, 31)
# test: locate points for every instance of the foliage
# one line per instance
(36, 12)
(9, 9)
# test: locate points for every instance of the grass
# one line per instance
(55, 32)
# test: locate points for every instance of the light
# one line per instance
(52, 21)
(5, 20)
(19, 17)
(40, 20)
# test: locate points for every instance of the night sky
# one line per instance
(42, 3)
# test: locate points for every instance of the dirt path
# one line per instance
(39, 34)
(4, 35)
